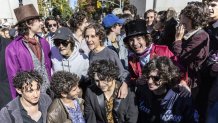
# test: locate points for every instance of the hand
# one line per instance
(184, 90)
(180, 30)
(123, 91)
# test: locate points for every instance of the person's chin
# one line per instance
(63, 53)
(104, 89)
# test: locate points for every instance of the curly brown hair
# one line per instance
(198, 13)
(167, 71)
(26, 77)
(104, 69)
(63, 82)
(99, 31)
(77, 19)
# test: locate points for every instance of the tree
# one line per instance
(62, 8)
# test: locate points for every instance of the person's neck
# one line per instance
(68, 55)
(68, 102)
(78, 35)
(160, 91)
(98, 49)
(28, 106)
(31, 34)
(110, 91)
(112, 37)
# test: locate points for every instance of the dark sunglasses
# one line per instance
(57, 43)
(154, 78)
(52, 25)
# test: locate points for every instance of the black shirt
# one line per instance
(26, 117)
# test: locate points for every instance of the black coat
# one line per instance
(168, 108)
(5, 94)
(124, 110)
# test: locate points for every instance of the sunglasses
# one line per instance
(57, 43)
(154, 78)
(52, 25)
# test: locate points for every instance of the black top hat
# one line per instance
(135, 27)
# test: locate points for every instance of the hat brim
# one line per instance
(121, 21)
(134, 34)
(59, 38)
(27, 18)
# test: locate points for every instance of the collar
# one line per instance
(190, 33)
(215, 25)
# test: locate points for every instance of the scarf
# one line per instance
(144, 58)
(34, 46)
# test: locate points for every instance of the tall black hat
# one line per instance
(135, 27)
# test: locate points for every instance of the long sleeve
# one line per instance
(88, 109)
(132, 113)
(12, 68)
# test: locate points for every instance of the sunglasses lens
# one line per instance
(57, 43)
(52, 25)
(65, 43)
(154, 78)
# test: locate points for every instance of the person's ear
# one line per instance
(28, 25)
(64, 95)
(19, 91)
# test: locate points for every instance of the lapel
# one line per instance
(116, 107)
(101, 103)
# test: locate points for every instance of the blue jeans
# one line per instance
(212, 116)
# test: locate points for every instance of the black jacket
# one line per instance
(5, 94)
(168, 108)
(124, 110)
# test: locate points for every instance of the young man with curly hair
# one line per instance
(94, 35)
(159, 100)
(30, 106)
(101, 102)
(77, 23)
(65, 108)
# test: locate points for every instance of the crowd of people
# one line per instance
(116, 69)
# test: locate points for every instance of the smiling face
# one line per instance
(213, 7)
(92, 39)
(153, 81)
(137, 44)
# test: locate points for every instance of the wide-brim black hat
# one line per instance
(135, 27)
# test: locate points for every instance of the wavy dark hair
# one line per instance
(48, 19)
(148, 11)
(104, 69)
(23, 29)
(63, 82)
(167, 71)
(26, 77)
(198, 13)
(99, 31)
(77, 19)
(131, 8)
(146, 37)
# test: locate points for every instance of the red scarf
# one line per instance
(34, 46)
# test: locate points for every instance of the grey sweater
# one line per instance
(108, 54)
